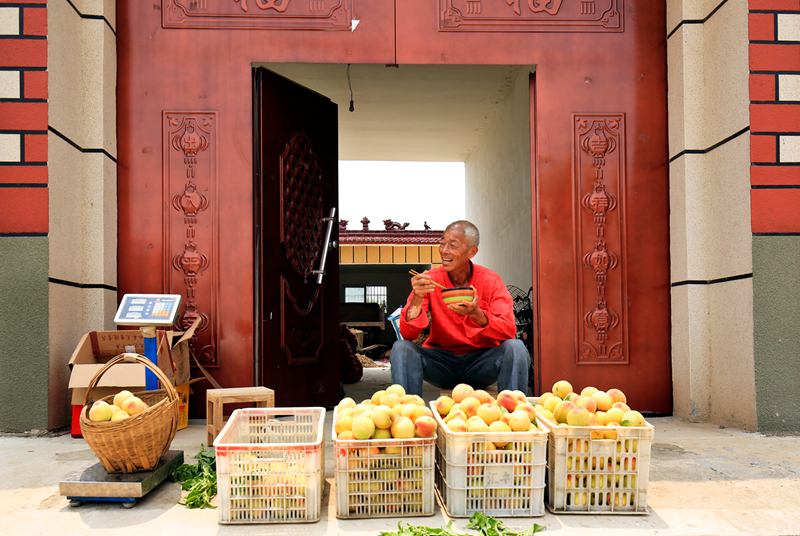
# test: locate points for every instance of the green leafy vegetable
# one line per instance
(484, 524)
(200, 480)
(489, 526)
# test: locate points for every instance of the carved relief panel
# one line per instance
(259, 14)
(600, 254)
(190, 223)
(531, 15)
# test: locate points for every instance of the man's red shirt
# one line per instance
(457, 333)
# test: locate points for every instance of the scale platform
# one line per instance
(94, 484)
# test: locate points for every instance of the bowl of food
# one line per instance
(458, 295)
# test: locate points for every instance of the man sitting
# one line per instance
(472, 342)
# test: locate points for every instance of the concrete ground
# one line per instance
(703, 481)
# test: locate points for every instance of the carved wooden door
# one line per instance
(296, 186)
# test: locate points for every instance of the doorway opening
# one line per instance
(476, 118)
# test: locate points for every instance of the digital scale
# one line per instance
(94, 484)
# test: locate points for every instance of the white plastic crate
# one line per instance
(591, 473)
(472, 476)
(384, 477)
(270, 465)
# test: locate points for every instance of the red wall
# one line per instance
(23, 181)
(775, 195)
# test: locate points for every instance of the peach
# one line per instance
(603, 400)
(408, 399)
(520, 396)
(507, 399)
(527, 408)
(443, 405)
(614, 415)
(457, 425)
(119, 416)
(489, 413)
(390, 399)
(425, 426)
(483, 396)
(100, 412)
(572, 397)
(476, 424)
(562, 388)
(343, 424)
(462, 391)
(363, 427)
(586, 402)
(403, 428)
(133, 406)
(617, 396)
(562, 409)
(114, 409)
(600, 417)
(499, 426)
(382, 417)
(458, 414)
(376, 397)
(547, 414)
(381, 433)
(611, 432)
(396, 389)
(519, 421)
(579, 416)
(470, 405)
(418, 400)
(551, 403)
(120, 397)
(346, 412)
(420, 411)
(632, 418)
(621, 405)
(455, 407)
(588, 391)
(408, 411)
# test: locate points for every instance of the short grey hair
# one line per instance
(470, 230)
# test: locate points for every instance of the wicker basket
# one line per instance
(138, 442)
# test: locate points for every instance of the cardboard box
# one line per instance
(96, 348)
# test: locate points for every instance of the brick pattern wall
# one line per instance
(774, 32)
(23, 118)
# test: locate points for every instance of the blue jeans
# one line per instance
(506, 364)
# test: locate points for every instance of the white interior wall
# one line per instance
(498, 187)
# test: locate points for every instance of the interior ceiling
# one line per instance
(411, 112)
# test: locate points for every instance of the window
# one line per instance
(366, 294)
(377, 295)
(354, 294)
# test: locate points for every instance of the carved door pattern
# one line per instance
(296, 140)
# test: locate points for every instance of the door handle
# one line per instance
(327, 244)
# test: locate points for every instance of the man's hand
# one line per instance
(421, 285)
(470, 309)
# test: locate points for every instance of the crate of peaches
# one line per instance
(599, 455)
(490, 455)
(384, 449)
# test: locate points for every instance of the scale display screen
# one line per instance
(148, 310)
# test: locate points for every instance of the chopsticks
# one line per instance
(414, 272)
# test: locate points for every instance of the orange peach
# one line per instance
(562, 409)
(343, 424)
(403, 428)
(621, 405)
(376, 397)
(396, 389)
(579, 416)
(425, 426)
(586, 402)
(382, 433)
(527, 408)
(363, 427)
(551, 403)
(588, 391)
(562, 388)
(133, 406)
(382, 417)
(519, 421)
(499, 426)
(470, 405)
(507, 399)
(602, 400)
(390, 399)
(458, 414)
(614, 415)
(476, 424)
(617, 396)
(462, 391)
(483, 396)
(457, 425)
(489, 413)
(632, 418)
(345, 435)
(572, 397)
(420, 411)
(520, 396)
(443, 405)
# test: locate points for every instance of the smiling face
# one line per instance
(456, 250)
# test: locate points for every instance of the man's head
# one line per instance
(458, 245)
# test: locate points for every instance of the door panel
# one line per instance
(297, 159)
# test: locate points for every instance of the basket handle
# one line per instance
(129, 357)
